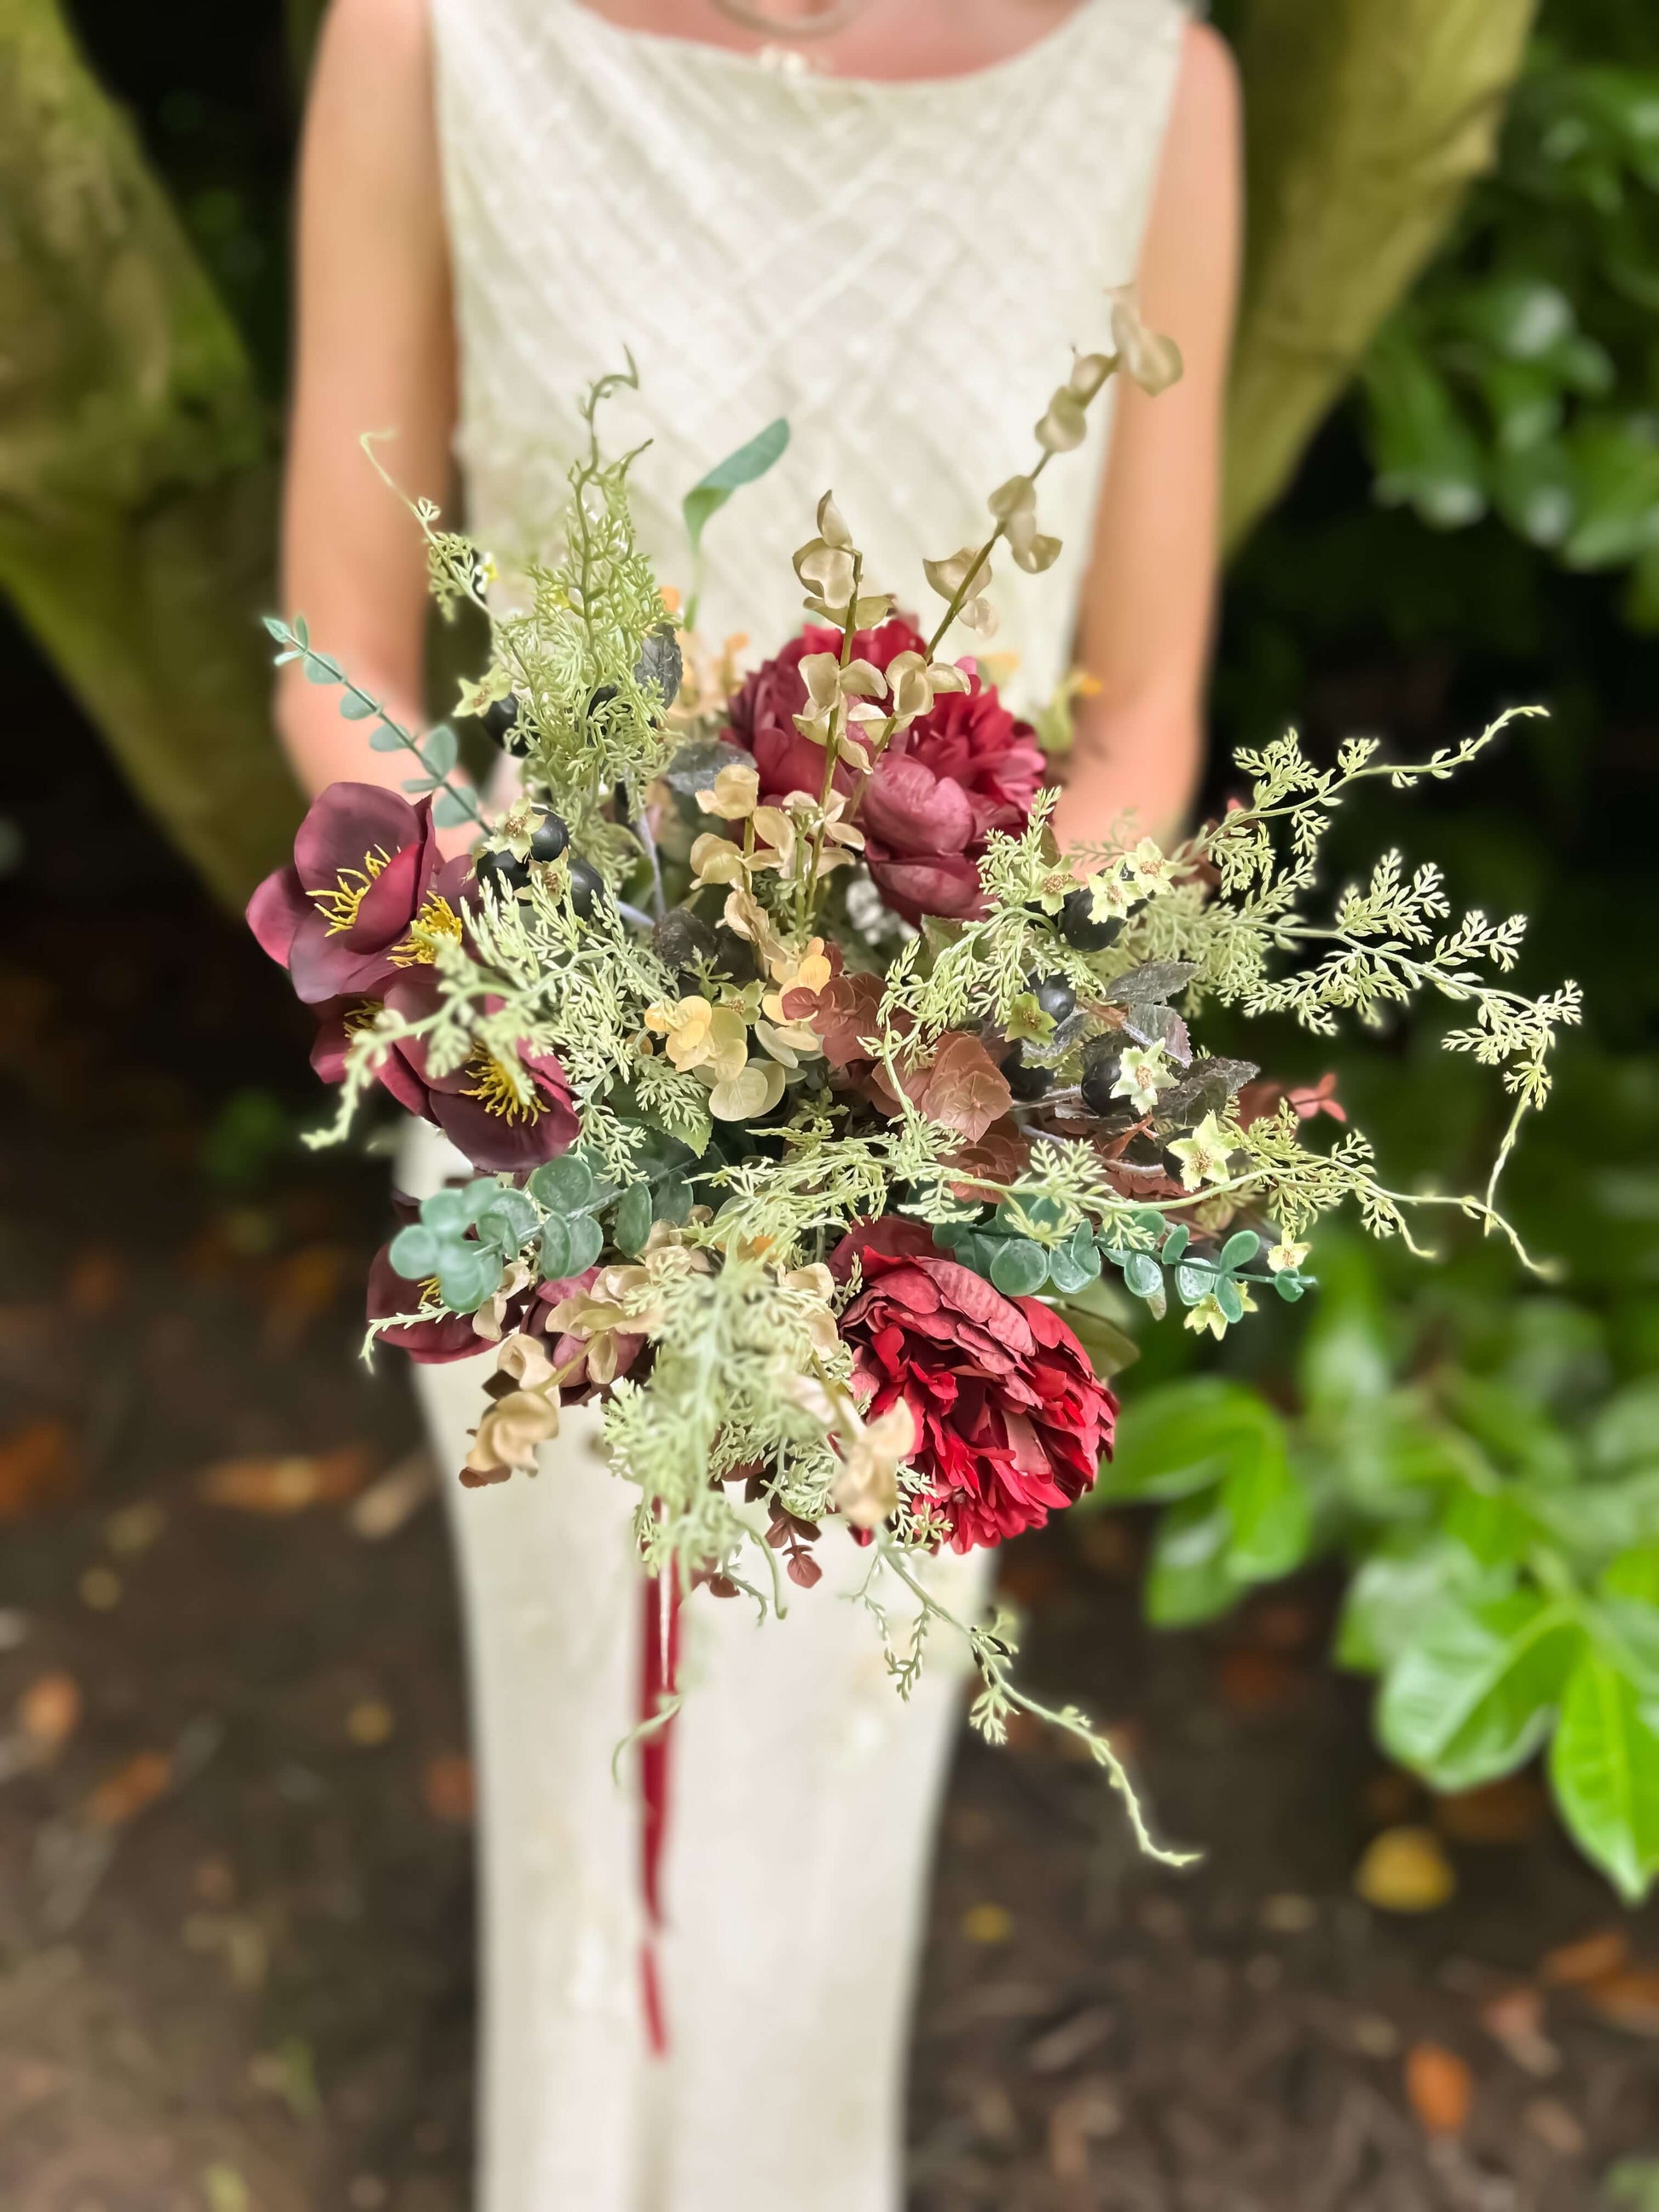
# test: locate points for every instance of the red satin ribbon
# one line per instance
(658, 1677)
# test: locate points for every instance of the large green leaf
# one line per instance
(1473, 1696)
(1625, 1433)
(1187, 1579)
(1604, 1765)
(1272, 1523)
(1187, 1436)
(1400, 1586)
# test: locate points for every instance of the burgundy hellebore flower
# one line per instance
(474, 1105)
(961, 771)
(364, 859)
(1011, 1419)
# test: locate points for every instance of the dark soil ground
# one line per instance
(235, 1918)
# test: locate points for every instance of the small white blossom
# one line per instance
(1203, 1156)
(1144, 1074)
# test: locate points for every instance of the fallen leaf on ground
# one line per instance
(1552, 2123)
(145, 1777)
(1591, 1959)
(1629, 2000)
(370, 1722)
(96, 1282)
(394, 1497)
(135, 1527)
(447, 1788)
(1515, 2019)
(1405, 1870)
(988, 1924)
(39, 1468)
(1505, 1812)
(1091, 2115)
(1440, 2086)
(1257, 1682)
(49, 1712)
(288, 1482)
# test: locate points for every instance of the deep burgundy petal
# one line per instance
(344, 824)
(276, 911)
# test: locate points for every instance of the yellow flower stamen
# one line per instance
(436, 918)
(496, 1091)
(338, 906)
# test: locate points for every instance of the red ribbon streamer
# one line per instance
(658, 1677)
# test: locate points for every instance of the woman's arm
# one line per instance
(375, 351)
(1144, 627)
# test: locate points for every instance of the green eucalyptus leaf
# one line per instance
(356, 706)
(382, 740)
(566, 1185)
(1290, 1286)
(1229, 1296)
(1019, 1267)
(439, 749)
(570, 1243)
(452, 1211)
(450, 809)
(1067, 1272)
(672, 1201)
(751, 461)
(1194, 1279)
(631, 1223)
(509, 1220)
(1240, 1248)
(467, 1273)
(1142, 1276)
(416, 1251)
(1176, 1243)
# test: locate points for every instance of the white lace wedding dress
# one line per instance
(900, 270)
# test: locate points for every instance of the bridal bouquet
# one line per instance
(824, 1120)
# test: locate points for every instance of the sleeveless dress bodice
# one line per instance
(899, 269)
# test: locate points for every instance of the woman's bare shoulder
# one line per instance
(1207, 93)
(375, 40)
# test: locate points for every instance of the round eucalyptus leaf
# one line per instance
(1020, 1267)
(564, 1186)
(1085, 1253)
(1240, 1249)
(1229, 1296)
(1193, 1282)
(509, 1221)
(1176, 1241)
(450, 1212)
(670, 1201)
(1142, 1276)
(416, 1252)
(586, 1242)
(1066, 1275)
(1290, 1288)
(467, 1274)
(631, 1223)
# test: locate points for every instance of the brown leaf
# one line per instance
(1591, 1959)
(49, 1712)
(145, 1777)
(1514, 2019)
(288, 1482)
(96, 1282)
(1440, 2088)
(1629, 2000)
(447, 1789)
(39, 1468)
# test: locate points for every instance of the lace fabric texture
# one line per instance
(899, 269)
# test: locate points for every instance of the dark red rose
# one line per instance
(1011, 1419)
(475, 1105)
(364, 861)
(961, 771)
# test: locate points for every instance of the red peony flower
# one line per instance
(961, 771)
(1011, 1419)
(364, 862)
(475, 1105)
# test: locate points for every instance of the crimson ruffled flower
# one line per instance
(474, 1105)
(1011, 1419)
(364, 861)
(962, 769)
